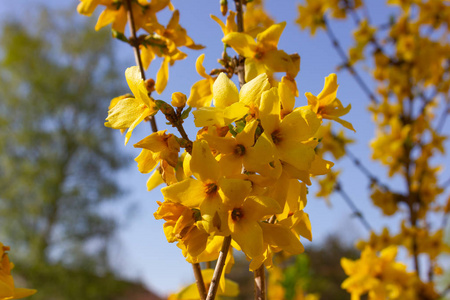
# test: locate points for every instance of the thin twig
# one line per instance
(240, 26)
(347, 64)
(260, 283)
(219, 268)
(199, 280)
(352, 205)
(365, 170)
(137, 54)
(442, 119)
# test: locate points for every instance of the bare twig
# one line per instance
(347, 64)
(137, 54)
(260, 283)
(199, 280)
(352, 205)
(240, 25)
(219, 268)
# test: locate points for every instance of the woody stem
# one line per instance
(219, 268)
(199, 280)
(137, 53)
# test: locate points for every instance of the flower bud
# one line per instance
(178, 99)
(224, 7)
(150, 85)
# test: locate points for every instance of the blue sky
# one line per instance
(142, 251)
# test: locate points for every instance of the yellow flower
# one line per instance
(202, 91)
(227, 107)
(240, 151)
(230, 26)
(379, 276)
(181, 226)
(263, 56)
(243, 220)
(289, 136)
(164, 42)
(128, 112)
(157, 146)
(178, 99)
(311, 15)
(326, 105)
(7, 289)
(144, 12)
(211, 192)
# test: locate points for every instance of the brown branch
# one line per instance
(347, 64)
(352, 205)
(260, 283)
(137, 54)
(199, 281)
(219, 268)
(240, 26)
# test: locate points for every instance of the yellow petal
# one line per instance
(287, 98)
(221, 24)
(154, 180)
(280, 236)
(242, 43)
(189, 192)
(300, 125)
(257, 207)
(270, 110)
(124, 113)
(253, 68)
(147, 161)
(250, 92)
(271, 35)
(136, 84)
(20, 293)
(234, 112)
(87, 7)
(147, 56)
(225, 91)
(297, 154)
(162, 77)
(147, 112)
(199, 66)
(248, 234)
(278, 61)
(234, 191)
(230, 164)
(344, 123)
(155, 142)
(201, 94)
(208, 116)
(203, 164)
(247, 136)
(320, 166)
(106, 17)
(328, 94)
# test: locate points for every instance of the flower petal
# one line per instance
(225, 91)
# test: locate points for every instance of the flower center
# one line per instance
(210, 188)
(237, 214)
(239, 150)
(276, 137)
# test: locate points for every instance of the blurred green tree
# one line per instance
(57, 165)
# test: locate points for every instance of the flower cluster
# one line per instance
(410, 65)
(158, 41)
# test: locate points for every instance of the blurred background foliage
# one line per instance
(57, 158)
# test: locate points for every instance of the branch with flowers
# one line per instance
(241, 183)
(408, 61)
